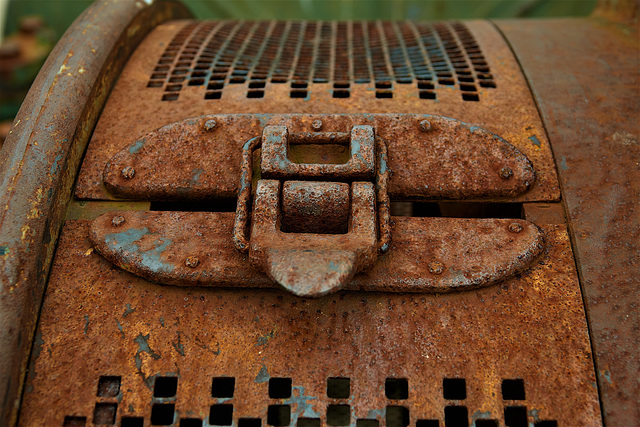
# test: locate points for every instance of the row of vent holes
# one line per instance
(280, 415)
(475, 54)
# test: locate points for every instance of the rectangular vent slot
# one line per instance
(425, 56)
(282, 393)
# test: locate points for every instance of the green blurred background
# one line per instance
(17, 73)
(59, 14)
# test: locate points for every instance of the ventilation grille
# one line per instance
(378, 54)
(283, 396)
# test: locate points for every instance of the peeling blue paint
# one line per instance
(128, 310)
(120, 328)
(196, 174)
(55, 167)
(535, 140)
(563, 163)
(263, 376)
(86, 323)
(124, 242)
(4, 250)
(607, 375)
(304, 409)
(137, 146)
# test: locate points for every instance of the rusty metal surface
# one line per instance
(446, 160)
(39, 162)
(426, 254)
(99, 322)
(507, 110)
(585, 75)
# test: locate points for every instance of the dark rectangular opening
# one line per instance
(108, 386)
(162, 414)
(308, 422)
(454, 388)
(513, 389)
(456, 416)
(207, 205)
(486, 423)
(396, 388)
(427, 94)
(341, 94)
(469, 96)
(256, 85)
(72, 421)
(223, 386)
(278, 415)
(338, 388)
(221, 415)
(249, 422)
(397, 416)
(255, 94)
(364, 422)
(515, 416)
(280, 388)
(298, 94)
(384, 94)
(132, 422)
(105, 413)
(213, 95)
(458, 209)
(339, 415)
(190, 422)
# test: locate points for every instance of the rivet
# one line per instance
(210, 125)
(128, 172)
(436, 267)
(316, 125)
(425, 125)
(506, 173)
(117, 221)
(515, 227)
(192, 262)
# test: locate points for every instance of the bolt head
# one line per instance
(192, 262)
(515, 227)
(506, 173)
(425, 126)
(316, 125)
(436, 267)
(128, 172)
(210, 125)
(117, 221)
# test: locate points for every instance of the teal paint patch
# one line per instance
(151, 260)
(195, 176)
(563, 163)
(378, 414)
(263, 340)
(607, 375)
(86, 323)
(55, 167)
(480, 415)
(162, 322)
(128, 310)
(143, 347)
(535, 140)
(263, 376)
(4, 250)
(304, 409)
(120, 328)
(137, 146)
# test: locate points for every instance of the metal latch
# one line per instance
(314, 225)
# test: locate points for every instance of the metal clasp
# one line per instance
(314, 226)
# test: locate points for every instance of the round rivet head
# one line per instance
(506, 173)
(117, 221)
(436, 267)
(192, 262)
(316, 125)
(210, 125)
(515, 227)
(425, 126)
(128, 172)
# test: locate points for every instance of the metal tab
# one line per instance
(426, 254)
(432, 157)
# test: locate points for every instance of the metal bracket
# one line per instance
(311, 227)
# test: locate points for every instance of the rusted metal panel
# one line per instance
(585, 75)
(438, 356)
(426, 254)
(507, 110)
(39, 161)
(429, 157)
